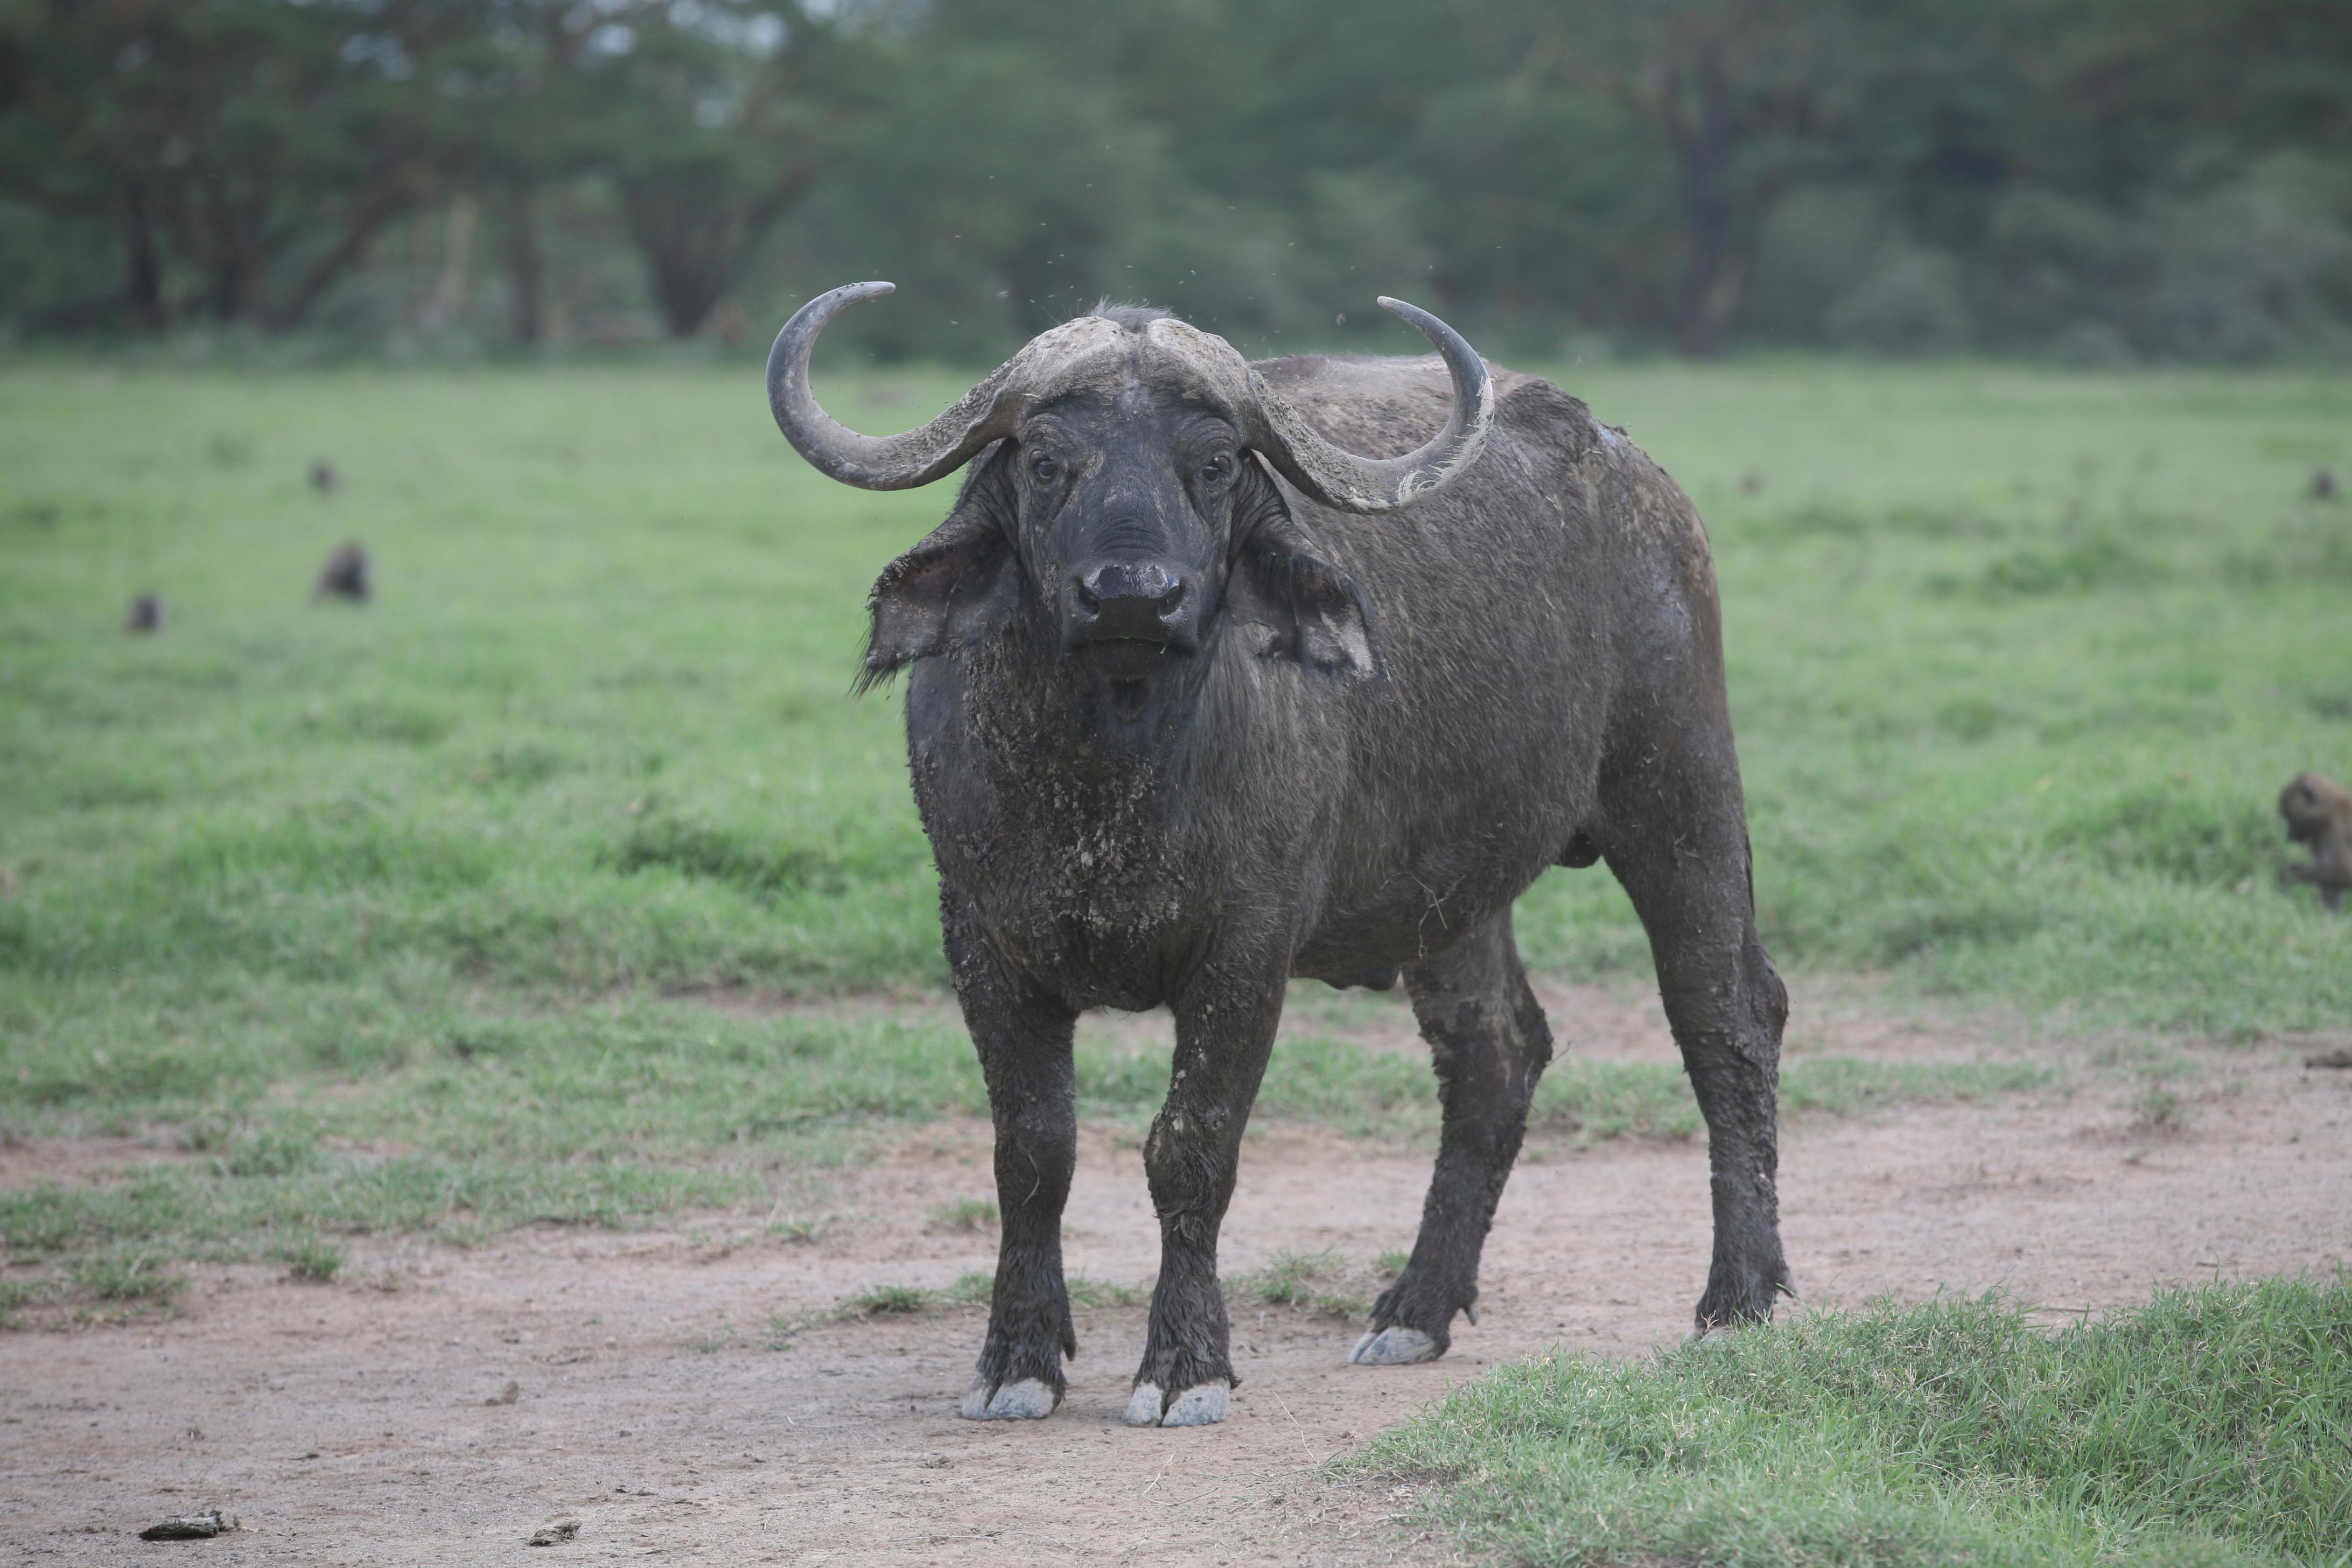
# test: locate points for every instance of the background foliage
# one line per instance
(2096, 180)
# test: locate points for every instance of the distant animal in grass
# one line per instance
(145, 614)
(2322, 484)
(323, 478)
(344, 576)
(2318, 812)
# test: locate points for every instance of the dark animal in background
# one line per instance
(2318, 812)
(1203, 699)
(2322, 484)
(344, 576)
(323, 478)
(145, 614)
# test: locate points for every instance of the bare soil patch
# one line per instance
(353, 1423)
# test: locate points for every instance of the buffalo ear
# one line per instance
(957, 585)
(1304, 606)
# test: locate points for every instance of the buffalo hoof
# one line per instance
(1200, 1406)
(1397, 1346)
(1713, 1334)
(1027, 1400)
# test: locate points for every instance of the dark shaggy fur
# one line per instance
(1390, 727)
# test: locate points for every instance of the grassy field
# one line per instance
(2207, 1428)
(407, 916)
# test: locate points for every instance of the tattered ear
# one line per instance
(1308, 608)
(958, 584)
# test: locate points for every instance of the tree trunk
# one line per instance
(1711, 288)
(690, 244)
(393, 194)
(143, 287)
(445, 303)
(518, 238)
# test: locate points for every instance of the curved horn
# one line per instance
(1352, 483)
(886, 462)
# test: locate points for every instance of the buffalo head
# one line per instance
(1122, 493)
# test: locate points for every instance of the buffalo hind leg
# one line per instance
(1223, 1036)
(1690, 883)
(1489, 1044)
(1024, 1042)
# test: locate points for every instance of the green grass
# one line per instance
(139, 1277)
(406, 917)
(2211, 1427)
(623, 1114)
(972, 1289)
(307, 1258)
(966, 1214)
(1306, 1282)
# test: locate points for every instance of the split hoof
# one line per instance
(1203, 1405)
(1027, 1400)
(1397, 1346)
(1713, 1334)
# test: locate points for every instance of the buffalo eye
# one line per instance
(1044, 468)
(1216, 471)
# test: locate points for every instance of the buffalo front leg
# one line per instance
(1024, 1041)
(1190, 1159)
(1489, 1044)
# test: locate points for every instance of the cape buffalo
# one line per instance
(1202, 698)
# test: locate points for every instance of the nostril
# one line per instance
(1129, 601)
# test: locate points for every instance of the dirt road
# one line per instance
(361, 1422)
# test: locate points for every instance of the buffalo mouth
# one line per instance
(1128, 670)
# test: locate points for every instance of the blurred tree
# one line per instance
(519, 70)
(271, 139)
(710, 117)
(1739, 92)
(994, 236)
(2092, 177)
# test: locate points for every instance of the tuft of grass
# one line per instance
(15, 1295)
(2208, 1427)
(965, 1214)
(878, 1299)
(1090, 1292)
(2159, 1109)
(973, 1288)
(1289, 1278)
(1311, 1282)
(138, 1277)
(310, 1257)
